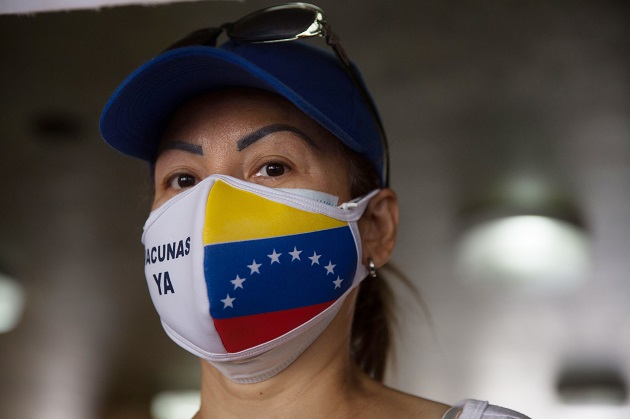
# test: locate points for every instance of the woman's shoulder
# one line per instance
(381, 401)
(478, 409)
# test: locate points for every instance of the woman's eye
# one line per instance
(181, 181)
(272, 169)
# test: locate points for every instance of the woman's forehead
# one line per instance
(244, 109)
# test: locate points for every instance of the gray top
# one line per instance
(477, 409)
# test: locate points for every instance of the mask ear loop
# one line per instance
(357, 201)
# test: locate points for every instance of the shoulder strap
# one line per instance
(478, 409)
(452, 413)
(467, 409)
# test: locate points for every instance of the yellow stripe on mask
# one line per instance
(235, 215)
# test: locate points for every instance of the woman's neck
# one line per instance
(283, 396)
(322, 382)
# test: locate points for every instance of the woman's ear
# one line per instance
(379, 226)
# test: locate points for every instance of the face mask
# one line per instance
(246, 276)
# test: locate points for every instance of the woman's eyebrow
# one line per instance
(181, 145)
(269, 129)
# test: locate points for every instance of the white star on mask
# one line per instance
(315, 258)
(275, 257)
(295, 254)
(238, 282)
(338, 282)
(227, 301)
(330, 268)
(254, 267)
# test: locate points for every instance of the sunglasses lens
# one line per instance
(272, 25)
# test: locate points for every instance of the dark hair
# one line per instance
(370, 340)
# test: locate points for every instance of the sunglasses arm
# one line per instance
(205, 36)
(332, 39)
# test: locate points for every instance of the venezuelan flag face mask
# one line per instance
(247, 276)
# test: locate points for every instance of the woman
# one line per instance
(271, 207)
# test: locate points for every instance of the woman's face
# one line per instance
(250, 135)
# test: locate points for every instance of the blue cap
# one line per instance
(312, 79)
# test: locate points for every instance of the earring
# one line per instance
(371, 268)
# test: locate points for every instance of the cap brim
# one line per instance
(135, 116)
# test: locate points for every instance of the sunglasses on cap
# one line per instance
(289, 22)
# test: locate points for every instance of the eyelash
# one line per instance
(278, 162)
(168, 181)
